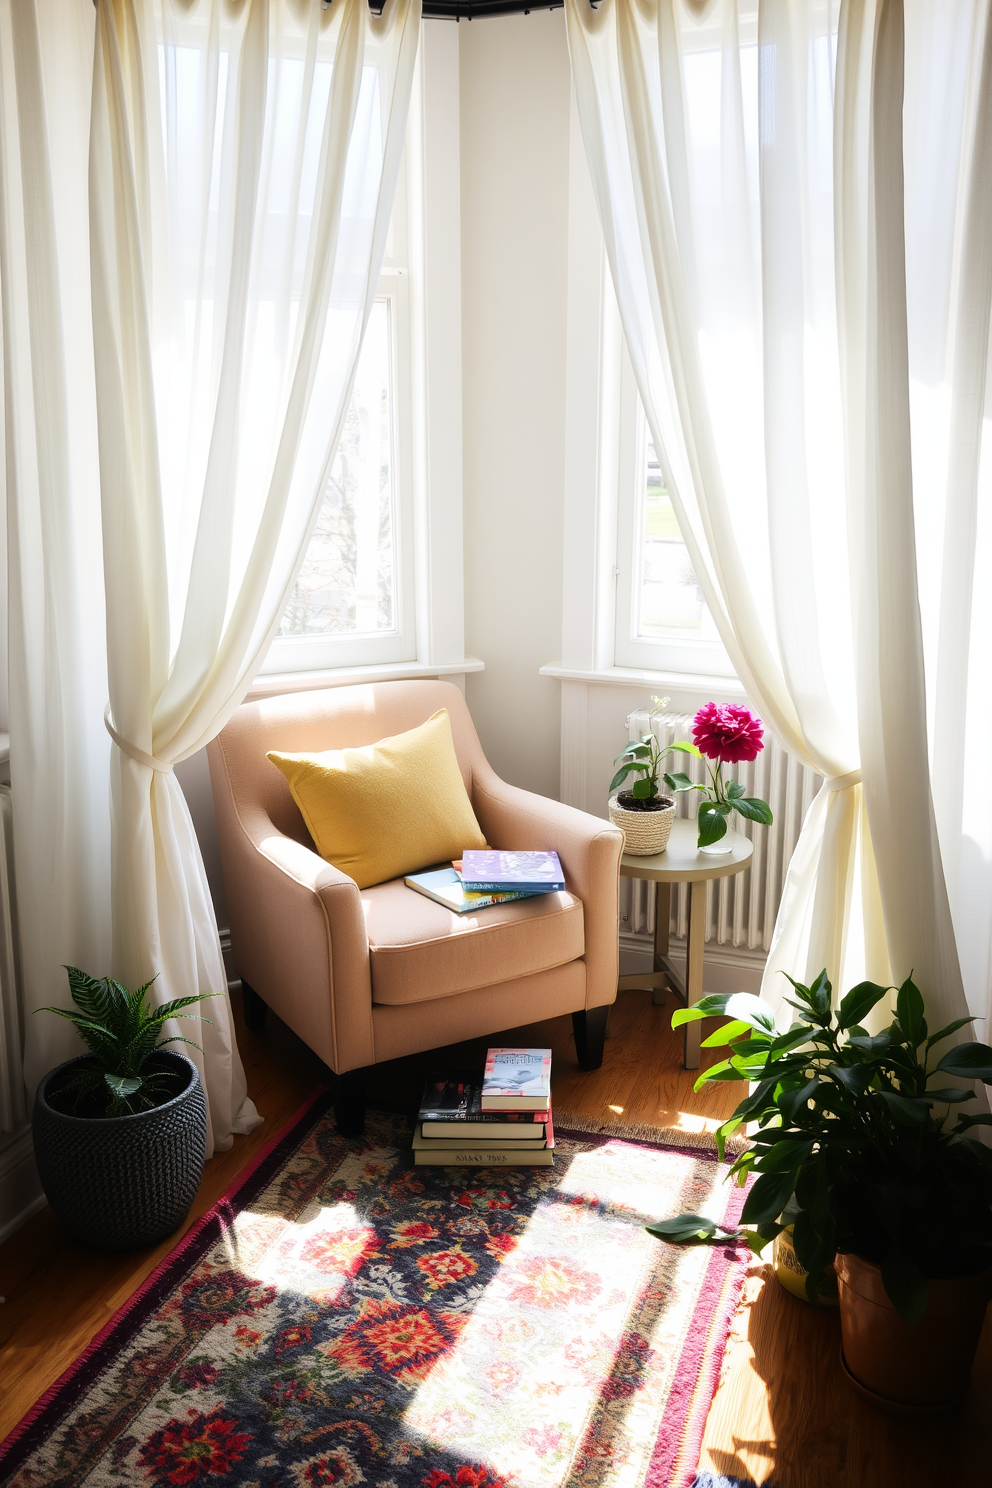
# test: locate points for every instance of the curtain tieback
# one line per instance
(132, 749)
(842, 782)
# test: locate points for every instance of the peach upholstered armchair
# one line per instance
(366, 975)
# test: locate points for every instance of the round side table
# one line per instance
(682, 862)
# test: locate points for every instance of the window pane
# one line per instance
(347, 585)
(668, 602)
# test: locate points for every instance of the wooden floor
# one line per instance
(783, 1413)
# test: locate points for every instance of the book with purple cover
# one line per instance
(488, 871)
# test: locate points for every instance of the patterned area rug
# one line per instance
(344, 1318)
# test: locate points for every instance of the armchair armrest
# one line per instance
(589, 849)
(297, 929)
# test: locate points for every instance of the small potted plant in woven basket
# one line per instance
(643, 815)
(852, 1144)
(120, 1134)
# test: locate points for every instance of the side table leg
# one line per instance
(662, 915)
(694, 968)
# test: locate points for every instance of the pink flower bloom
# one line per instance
(727, 733)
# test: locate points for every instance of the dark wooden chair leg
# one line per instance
(349, 1107)
(589, 1027)
(255, 1008)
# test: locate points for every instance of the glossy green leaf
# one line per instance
(859, 1002)
(734, 789)
(768, 1198)
(784, 1157)
(620, 776)
(689, 1229)
(685, 747)
(754, 810)
(711, 826)
(643, 789)
(679, 781)
(968, 1061)
(727, 1034)
(909, 1011)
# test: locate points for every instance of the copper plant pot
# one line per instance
(910, 1370)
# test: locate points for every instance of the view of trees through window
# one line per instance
(347, 585)
(668, 601)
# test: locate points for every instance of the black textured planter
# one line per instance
(121, 1182)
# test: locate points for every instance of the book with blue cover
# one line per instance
(495, 871)
(445, 887)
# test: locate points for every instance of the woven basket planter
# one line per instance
(644, 832)
(122, 1182)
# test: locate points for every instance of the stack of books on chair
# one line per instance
(499, 1119)
(480, 878)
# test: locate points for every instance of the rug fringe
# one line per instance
(644, 1131)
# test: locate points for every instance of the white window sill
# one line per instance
(399, 671)
(715, 687)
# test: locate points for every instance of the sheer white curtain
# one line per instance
(806, 324)
(242, 165)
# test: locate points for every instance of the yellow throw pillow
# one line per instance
(388, 808)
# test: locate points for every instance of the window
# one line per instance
(662, 621)
(353, 600)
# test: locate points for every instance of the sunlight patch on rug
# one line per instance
(346, 1318)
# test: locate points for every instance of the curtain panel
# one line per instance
(795, 205)
(242, 165)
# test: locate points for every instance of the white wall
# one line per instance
(515, 114)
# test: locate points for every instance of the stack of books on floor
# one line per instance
(480, 878)
(499, 1119)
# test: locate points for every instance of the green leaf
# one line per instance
(935, 1038)
(754, 810)
(712, 826)
(679, 781)
(643, 789)
(786, 1156)
(968, 1061)
(726, 1035)
(122, 1085)
(742, 1006)
(725, 1070)
(905, 1286)
(965, 1121)
(768, 1197)
(734, 789)
(951, 1095)
(689, 1229)
(906, 1109)
(621, 776)
(820, 993)
(791, 1102)
(799, 1033)
(686, 747)
(909, 1011)
(858, 1002)
(853, 1077)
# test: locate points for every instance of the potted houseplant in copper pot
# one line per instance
(120, 1133)
(858, 1136)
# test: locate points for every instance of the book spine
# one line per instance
(482, 1157)
(473, 887)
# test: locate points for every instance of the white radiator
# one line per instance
(741, 909)
(13, 1109)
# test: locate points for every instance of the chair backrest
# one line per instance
(331, 718)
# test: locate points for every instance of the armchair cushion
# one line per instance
(386, 808)
(420, 951)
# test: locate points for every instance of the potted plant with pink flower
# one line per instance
(722, 734)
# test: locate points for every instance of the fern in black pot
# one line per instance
(120, 1133)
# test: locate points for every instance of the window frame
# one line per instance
(662, 653)
(287, 654)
